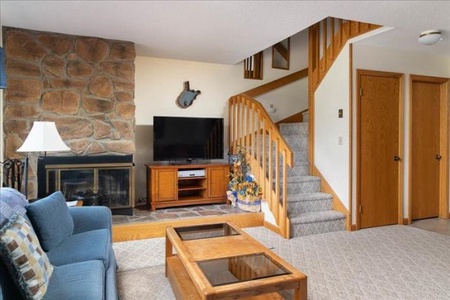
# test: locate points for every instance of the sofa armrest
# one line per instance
(91, 218)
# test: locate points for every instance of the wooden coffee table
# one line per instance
(221, 261)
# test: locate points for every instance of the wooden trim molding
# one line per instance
(409, 141)
(337, 203)
(401, 129)
(129, 232)
(350, 134)
(313, 63)
(406, 221)
(295, 118)
(444, 170)
(253, 66)
(272, 227)
(273, 85)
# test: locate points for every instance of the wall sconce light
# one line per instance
(43, 137)
(430, 37)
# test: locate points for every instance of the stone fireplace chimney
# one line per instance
(84, 84)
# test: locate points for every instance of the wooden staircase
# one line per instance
(270, 156)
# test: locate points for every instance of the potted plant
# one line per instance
(243, 190)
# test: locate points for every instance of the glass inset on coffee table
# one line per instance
(240, 268)
(197, 232)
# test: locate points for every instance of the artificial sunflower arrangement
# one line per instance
(242, 184)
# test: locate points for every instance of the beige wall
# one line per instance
(332, 142)
(160, 81)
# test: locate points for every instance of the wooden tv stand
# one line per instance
(166, 189)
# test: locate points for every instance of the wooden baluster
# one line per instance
(332, 43)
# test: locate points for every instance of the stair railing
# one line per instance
(326, 40)
(268, 153)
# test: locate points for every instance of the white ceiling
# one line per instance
(225, 31)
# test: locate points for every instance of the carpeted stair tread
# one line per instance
(309, 202)
(298, 170)
(292, 179)
(299, 160)
(295, 166)
(296, 139)
(302, 179)
(303, 184)
(294, 128)
(309, 197)
(320, 216)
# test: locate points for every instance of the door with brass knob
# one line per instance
(426, 139)
(379, 152)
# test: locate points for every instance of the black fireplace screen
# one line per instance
(74, 182)
(109, 184)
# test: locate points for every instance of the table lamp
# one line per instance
(43, 137)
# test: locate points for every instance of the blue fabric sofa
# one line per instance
(72, 255)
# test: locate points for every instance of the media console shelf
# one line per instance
(180, 185)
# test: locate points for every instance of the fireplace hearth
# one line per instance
(95, 180)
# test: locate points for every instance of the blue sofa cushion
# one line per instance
(27, 262)
(11, 202)
(84, 280)
(89, 245)
(51, 220)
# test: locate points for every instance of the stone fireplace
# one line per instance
(84, 84)
(102, 180)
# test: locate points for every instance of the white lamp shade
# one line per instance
(43, 137)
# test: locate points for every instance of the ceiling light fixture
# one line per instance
(430, 37)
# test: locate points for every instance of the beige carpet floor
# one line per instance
(392, 262)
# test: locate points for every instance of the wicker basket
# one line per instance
(249, 205)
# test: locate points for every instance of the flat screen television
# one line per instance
(183, 139)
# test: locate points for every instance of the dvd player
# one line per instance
(191, 173)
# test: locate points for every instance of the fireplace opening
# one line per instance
(95, 180)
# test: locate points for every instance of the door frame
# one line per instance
(443, 143)
(399, 77)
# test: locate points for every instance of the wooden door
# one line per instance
(218, 181)
(426, 150)
(164, 185)
(379, 151)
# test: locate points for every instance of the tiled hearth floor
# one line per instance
(143, 214)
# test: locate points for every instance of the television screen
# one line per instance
(182, 138)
